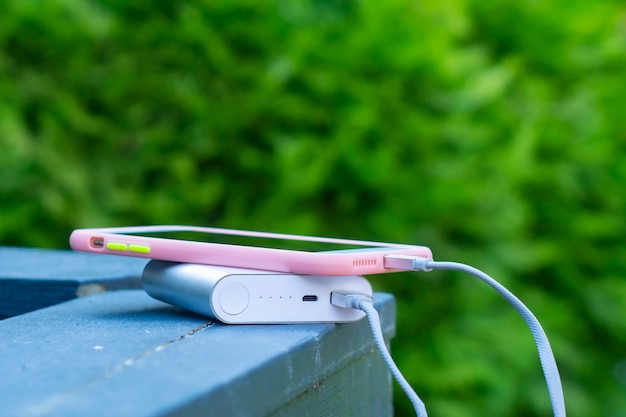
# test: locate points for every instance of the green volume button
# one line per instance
(117, 246)
(139, 248)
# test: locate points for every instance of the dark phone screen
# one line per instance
(264, 242)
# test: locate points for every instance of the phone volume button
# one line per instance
(139, 248)
(118, 246)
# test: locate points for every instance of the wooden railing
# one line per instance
(80, 338)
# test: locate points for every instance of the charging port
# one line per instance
(309, 298)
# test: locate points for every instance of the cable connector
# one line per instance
(407, 263)
(365, 303)
(344, 300)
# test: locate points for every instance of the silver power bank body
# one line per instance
(247, 296)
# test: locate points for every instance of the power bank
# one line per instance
(248, 296)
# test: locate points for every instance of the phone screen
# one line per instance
(240, 240)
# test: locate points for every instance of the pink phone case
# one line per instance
(121, 241)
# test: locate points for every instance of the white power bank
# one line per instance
(247, 296)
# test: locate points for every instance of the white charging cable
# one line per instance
(410, 263)
(366, 303)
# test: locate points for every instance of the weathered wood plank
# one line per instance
(31, 279)
(122, 353)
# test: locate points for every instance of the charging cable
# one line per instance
(366, 303)
(411, 263)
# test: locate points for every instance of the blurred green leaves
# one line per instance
(493, 132)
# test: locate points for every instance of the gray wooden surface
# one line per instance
(35, 278)
(123, 353)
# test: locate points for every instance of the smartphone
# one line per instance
(244, 249)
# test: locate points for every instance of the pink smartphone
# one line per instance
(244, 249)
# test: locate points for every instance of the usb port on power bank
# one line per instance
(309, 298)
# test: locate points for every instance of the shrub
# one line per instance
(490, 131)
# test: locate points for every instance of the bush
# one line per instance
(490, 131)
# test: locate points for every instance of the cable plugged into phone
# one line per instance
(546, 355)
(407, 263)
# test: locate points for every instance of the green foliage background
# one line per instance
(492, 131)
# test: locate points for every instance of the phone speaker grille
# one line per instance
(364, 262)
